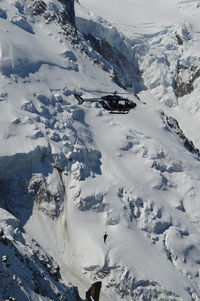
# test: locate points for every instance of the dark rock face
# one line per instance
(3, 14)
(101, 46)
(182, 87)
(94, 292)
(172, 123)
(65, 15)
(26, 268)
(39, 7)
(69, 10)
(179, 39)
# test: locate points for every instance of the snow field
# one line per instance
(80, 171)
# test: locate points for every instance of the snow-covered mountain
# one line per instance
(68, 173)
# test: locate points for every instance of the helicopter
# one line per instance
(113, 102)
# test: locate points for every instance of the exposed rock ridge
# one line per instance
(123, 71)
(25, 268)
(67, 14)
(69, 10)
(94, 292)
(185, 84)
(127, 286)
(172, 123)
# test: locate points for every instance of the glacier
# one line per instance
(68, 173)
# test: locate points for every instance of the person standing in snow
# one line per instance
(105, 237)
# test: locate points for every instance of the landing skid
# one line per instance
(112, 112)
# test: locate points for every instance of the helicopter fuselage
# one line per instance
(117, 103)
(113, 103)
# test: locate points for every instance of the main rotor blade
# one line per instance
(96, 91)
(107, 92)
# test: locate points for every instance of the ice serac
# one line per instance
(159, 53)
(114, 47)
(125, 73)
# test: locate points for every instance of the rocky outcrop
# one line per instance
(172, 123)
(94, 292)
(65, 15)
(48, 202)
(69, 10)
(27, 271)
(186, 75)
(179, 39)
(38, 7)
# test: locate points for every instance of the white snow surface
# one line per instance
(69, 173)
(132, 12)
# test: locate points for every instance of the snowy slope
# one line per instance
(132, 12)
(69, 173)
(26, 270)
(163, 49)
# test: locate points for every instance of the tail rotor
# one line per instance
(79, 98)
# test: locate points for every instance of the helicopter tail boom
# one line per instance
(81, 100)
